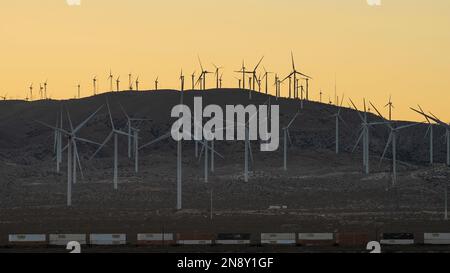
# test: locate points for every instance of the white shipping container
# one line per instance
(108, 239)
(277, 236)
(316, 236)
(27, 238)
(155, 237)
(278, 242)
(437, 238)
(63, 239)
(194, 242)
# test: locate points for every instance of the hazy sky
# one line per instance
(401, 48)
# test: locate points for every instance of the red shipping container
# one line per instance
(352, 239)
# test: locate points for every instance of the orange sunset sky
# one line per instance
(401, 47)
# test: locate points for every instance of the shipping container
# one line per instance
(278, 238)
(316, 239)
(156, 239)
(64, 239)
(397, 239)
(352, 239)
(27, 239)
(437, 238)
(108, 239)
(233, 239)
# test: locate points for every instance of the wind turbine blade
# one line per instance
(407, 126)
(386, 147)
(374, 107)
(428, 120)
(356, 108)
(289, 137)
(87, 120)
(78, 158)
(293, 63)
(293, 119)
(358, 141)
(103, 144)
(51, 127)
(122, 133)
(124, 112)
(70, 120)
(87, 141)
(256, 67)
(161, 138)
(110, 116)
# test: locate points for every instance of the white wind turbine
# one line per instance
(338, 118)
(430, 133)
(72, 144)
(286, 137)
(443, 124)
(114, 133)
(392, 140)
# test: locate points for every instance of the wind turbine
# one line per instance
(114, 133)
(253, 73)
(430, 132)
(266, 77)
(41, 91)
(71, 144)
(193, 80)
(365, 136)
(94, 80)
(79, 91)
(131, 130)
(110, 78)
(239, 82)
(216, 74)
(4, 97)
(31, 91)
(118, 83)
(156, 83)
(392, 140)
(137, 83)
(294, 74)
(391, 106)
(220, 80)
(45, 89)
(243, 71)
(286, 137)
(443, 124)
(202, 78)
(130, 84)
(338, 118)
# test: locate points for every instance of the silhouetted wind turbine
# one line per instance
(111, 78)
(156, 83)
(45, 89)
(118, 83)
(243, 71)
(391, 106)
(79, 90)
(202, 78)
(193, 80)
(294, 74)
(31, 92)
(266, 77)
(94, 80)
(338, 118)
(253, 73)
(137, 83)
(216, 74)
(239, 82)
(130, 84)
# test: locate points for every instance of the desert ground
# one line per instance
(323, 192)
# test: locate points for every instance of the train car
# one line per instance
(316, 239)
(156, 239)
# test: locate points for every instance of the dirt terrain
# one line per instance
(323, 192)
